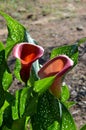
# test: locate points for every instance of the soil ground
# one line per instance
(53, 23)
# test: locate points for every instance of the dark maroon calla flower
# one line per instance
(57, 67)
(27, 53)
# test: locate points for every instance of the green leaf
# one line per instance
(67, 120)
(2, 97)
(42, 85)
(18, 124)
(69, 50)
(5, 105)
(16, 32)
(34, 73)
(83, 127)
(25, 94)
(15, 106)
(7, 80)
(47, 112)
(2, 64)
(17, 69)
(5, 75)
(2, 70)
(1, 46)
(21, 102)
(69, 104)
(65, 93)
(7, 117)
(9, 97)
(31, 105)
(82, 40)
(54, 126)
(51, 113)
(27, 123)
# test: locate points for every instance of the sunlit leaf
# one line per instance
(69, 104)
(15, 107)
(5, 75)
(16, 32)
(65, 93)
(1, 46)
(21, 102)
(42, 85)
(17, 70)
(7, 80)
(2, 109)
(54, 126)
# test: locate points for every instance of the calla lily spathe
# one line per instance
(57, 67)
(27, 53)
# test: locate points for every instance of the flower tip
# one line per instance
(17, 51)
(41, 50)
(70, 61)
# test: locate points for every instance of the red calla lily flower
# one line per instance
(57, 67)
(27, 53)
